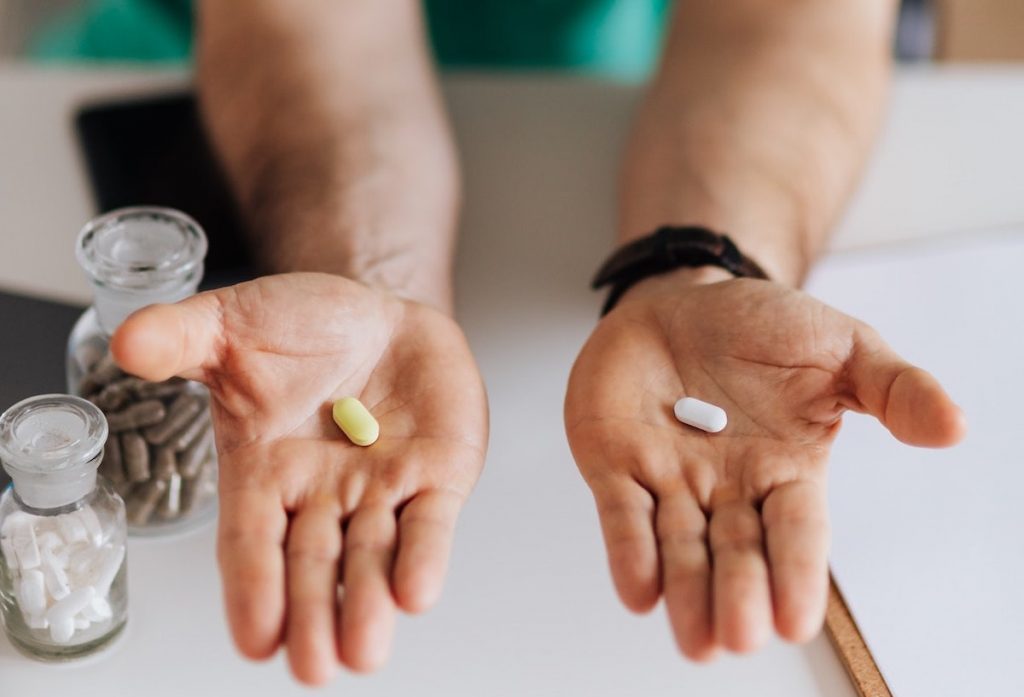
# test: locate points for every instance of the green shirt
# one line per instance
(616, 38)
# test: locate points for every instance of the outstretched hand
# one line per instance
(321, 541)
(732, 527)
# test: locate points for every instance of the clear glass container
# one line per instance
(63, 579)
(160, 454)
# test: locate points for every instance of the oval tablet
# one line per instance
(356, 421)
(706, 417)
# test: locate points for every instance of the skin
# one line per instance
(756, 125)
(731, 528)
(351, 173)
(302, 509)
(328, 121)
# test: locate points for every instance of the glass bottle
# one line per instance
(63, 583)
(161, 458)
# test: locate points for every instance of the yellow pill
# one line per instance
(356, 421)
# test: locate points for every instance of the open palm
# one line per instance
(321, 541)
(732, 527)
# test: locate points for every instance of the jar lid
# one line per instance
(50, 433)
(142, 248)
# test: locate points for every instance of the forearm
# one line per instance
(328, 120)
(758, 123)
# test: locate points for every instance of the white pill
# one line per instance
(49, 540)
(32, 592)
(15, 520)
(37, 622)
(62, 630)
(92, 524)
(56, 579)
(81, 622)
(24, 540)
(65, 610)
(107, 570)
(71, 528)
(98, 610)
(83, 557)
(706, 417)
(63, 555)
(10, 558)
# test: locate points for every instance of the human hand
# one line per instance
(303, 510)
(731, 528)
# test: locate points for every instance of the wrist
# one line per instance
(691, 171)
(415, 272)
(408, 278)
(670, 283)
(400, 244)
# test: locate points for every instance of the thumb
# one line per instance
(908, 401)
(162, 341)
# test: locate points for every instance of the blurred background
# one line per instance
(159, 30)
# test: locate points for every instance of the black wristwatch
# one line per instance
(666, 249)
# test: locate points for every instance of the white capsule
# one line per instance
(63, 555)
(10, 558)
(36, 622)
(107, 570)
(71, 528)
(92, 525)
(32, 592)
(49, 541)
(98, 610)
(83, 557)
(23, 538)
(62, 630)
(15, 520)
(706, 417)
(81, 622)
(56, 579)
(64, 611)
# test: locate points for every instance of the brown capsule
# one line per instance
(170, 502)
(192, 432)
(143, 500)
(165, 463)
(102, 373)
(191, 459)
(179, 414)
(200, 487)
(135, 454)
(138, 415)
(114, 395)
(110, 465)
(160, 390)
(190, 489)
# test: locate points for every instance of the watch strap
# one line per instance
(666, 249)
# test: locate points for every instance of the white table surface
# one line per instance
(528, 608)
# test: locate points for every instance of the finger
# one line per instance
(626, 511)
(314, 547)
(740, 595)
(368, 609)
(161, 341)
(251, 533)
(909, 401)
(686, 573)
(796, 533)
(425, 530)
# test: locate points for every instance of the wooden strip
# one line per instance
(979, 30)
(849, 644)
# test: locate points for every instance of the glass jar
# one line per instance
(63, 583)
(160, 454)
